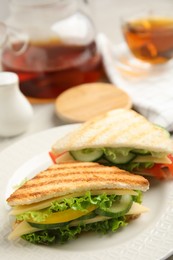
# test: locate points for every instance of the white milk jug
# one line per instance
(15, 110)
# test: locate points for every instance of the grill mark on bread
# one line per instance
(75, 180)
(66, 174)
(86, 128)
(101, 132)
(48, 184)
(32, 193)
(129, 128)
(88, 177)
(100, 124)
(69, 181)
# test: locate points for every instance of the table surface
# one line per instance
(106, 15)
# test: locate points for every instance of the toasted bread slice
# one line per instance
(66, 178)
(117, 128)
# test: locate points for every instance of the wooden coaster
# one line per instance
(83, 102)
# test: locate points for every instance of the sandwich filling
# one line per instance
(64, 218)
(157, 164)
(69, 198)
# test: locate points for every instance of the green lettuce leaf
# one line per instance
(139, 197)
(132, 166)
(36, 216)
(64, 234)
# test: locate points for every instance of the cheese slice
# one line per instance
(137, 208)
(21, 229)
(47, 203)
(148, 158)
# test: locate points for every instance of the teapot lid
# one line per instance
(81, 103)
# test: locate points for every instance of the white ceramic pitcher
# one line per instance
(15, 110)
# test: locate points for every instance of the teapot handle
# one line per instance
(14, 38)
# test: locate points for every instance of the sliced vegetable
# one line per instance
(65, 216)
(87, 155)
(47, 226)
(120, 158)
(140, 151)
(119, 208)
(54, 157)
(88, 216)
(170, 166)
(64, 157)
(160, 170)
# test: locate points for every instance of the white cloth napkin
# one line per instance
(150, 88)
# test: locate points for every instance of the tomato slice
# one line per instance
(170, 166)
(162, 171)
(156, 171)
(54, 157)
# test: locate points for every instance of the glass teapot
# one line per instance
(51, 45)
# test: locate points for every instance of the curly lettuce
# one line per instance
(135, 166)
(64, 234)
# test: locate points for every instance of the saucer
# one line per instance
(130, 67)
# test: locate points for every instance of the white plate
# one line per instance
(148, 237)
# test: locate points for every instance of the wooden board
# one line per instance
(83, 102)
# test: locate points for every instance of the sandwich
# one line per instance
(122, 138)
(68, 199)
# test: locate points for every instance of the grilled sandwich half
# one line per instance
(67, 199)
(122, 138)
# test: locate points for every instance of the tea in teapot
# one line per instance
(60, 52)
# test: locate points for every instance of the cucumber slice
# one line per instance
(48, 226)
(119, 158)
(140, 152)
(119, 208)
(62, 224)
(88, 221)
(87, 155)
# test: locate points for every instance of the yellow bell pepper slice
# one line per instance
(66, 215)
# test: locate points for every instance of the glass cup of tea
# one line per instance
(149, 35)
